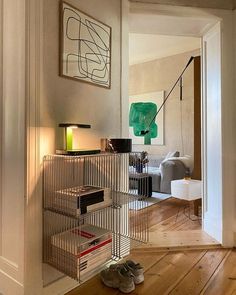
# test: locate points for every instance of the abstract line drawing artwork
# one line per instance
(85, 47)
(142, 110)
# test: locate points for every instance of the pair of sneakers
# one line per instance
(123, 276)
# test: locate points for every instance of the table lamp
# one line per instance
(69, 140)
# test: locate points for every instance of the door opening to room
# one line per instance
(176, 145)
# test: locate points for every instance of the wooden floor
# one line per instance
(209, 272)
(167, 230)
(162, 216)
(170, 266)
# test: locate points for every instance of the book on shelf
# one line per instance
(81, 199)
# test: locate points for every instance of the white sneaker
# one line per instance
(136, 269)
(118, 276)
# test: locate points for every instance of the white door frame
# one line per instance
(212, 137)
(12, 156)
(224, 115)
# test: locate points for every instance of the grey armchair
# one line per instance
(167, 171)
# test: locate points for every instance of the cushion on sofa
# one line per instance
(186, 160)
(154, 161)
(172, 154)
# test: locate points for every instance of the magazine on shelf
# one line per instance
(84, 238)
(88, 246)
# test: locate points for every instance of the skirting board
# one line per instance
(66, 284)
(60, 287)
(10, 286)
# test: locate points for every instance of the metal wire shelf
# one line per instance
(87, 220)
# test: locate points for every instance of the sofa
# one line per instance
(164, 170)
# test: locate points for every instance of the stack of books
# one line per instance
(81, 249)
(81, 199)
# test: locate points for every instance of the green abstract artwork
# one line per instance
(140, 117)
(142, 109)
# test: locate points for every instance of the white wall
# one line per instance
(228, 124)
(12, 134)
(125, 69)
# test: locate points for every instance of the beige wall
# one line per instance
(158, 75)
(65, 100)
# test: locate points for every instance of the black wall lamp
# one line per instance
(147, 130)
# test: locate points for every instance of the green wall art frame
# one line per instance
(142, 109)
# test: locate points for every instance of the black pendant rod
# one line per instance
(143, 132)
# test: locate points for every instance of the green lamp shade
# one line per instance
(69, 132)
(69, 138)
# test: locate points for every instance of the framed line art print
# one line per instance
(85, 47)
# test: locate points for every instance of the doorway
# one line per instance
(156, 61)
(172, 21)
